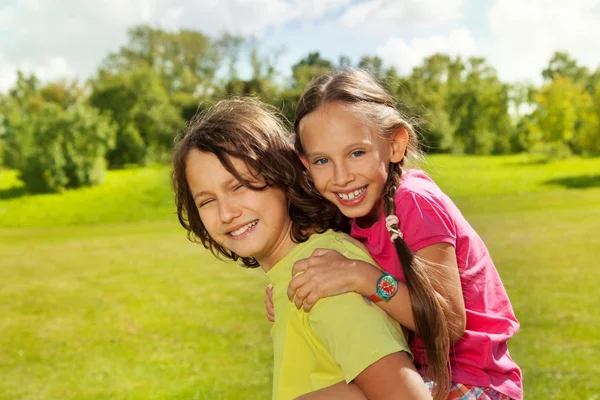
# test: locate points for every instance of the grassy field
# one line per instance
(102, 297)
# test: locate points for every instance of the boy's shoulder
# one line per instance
(339, 241)
(329, 240)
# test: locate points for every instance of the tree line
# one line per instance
(64, 134)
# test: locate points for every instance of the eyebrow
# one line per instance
(203, 192)
(351, 145)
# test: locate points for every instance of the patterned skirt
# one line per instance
(458, 391)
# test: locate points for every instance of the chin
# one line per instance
(352, 212)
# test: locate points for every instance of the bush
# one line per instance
(69, 147)
(553, 150)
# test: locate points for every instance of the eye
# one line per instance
(236, 187)
(321, 161)
(205, 202)
(358, 153)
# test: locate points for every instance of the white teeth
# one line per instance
(351, 195)
(243, 229)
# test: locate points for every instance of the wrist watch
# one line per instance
(386, 288)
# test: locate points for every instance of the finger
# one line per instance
(311, 300)
(270, 293)
(269, 289)
(300, 266)
(271, 313)
(301, 295)
(321, 252)
(297, 282)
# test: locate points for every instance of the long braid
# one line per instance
(428, 313)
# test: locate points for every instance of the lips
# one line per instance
(351, 198)
(240, 230)
(351, 195)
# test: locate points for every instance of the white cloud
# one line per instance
(525, 34)
(386, 15)
(404, 56)
(72, 37)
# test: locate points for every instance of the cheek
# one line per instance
(377, 164)
(319, 178)
(208, 220)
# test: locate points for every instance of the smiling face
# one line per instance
(249, 222)
(347, 160)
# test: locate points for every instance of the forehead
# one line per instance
(334, 122)
(205, 169)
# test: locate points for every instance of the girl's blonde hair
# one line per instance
(360, 92)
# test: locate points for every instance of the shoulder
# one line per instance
(347, 246)
(355, 333)
(342, 243)
(415, 182)
(426, 214)
(420, 191)
(349, 311)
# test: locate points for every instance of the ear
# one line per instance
(398, 143)
(304, 161)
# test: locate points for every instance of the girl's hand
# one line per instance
(269, 303)
(328, 273)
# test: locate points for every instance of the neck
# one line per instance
(373, 216)
(281, 249)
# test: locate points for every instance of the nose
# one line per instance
(342, 174)
(228, 210)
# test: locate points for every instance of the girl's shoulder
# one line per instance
(416, 183)
(425, 213)
(419, 194)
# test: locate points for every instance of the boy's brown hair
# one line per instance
(247, 129)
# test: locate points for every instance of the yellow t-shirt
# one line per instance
(339, 338)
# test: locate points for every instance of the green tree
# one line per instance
(147, 121)
(182, 60)
(373, 64)
(562, 65)
(309, 67)
(479, 108)
(344, 62)
(262, 82)
(19, 110)
(423, 95)
(564, 120)
(589, 139)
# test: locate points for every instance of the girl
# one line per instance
(354, 144)
(241, 192)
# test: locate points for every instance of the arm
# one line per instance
(443, 269)
(445, 275)
(392, 377)
(339, 391)
(328, 273)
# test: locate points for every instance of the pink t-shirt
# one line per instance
(427, 216)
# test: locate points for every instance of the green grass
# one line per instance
(127, 195)
(102, 297)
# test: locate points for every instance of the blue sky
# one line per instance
(70, 37)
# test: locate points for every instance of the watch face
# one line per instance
(388, 286)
